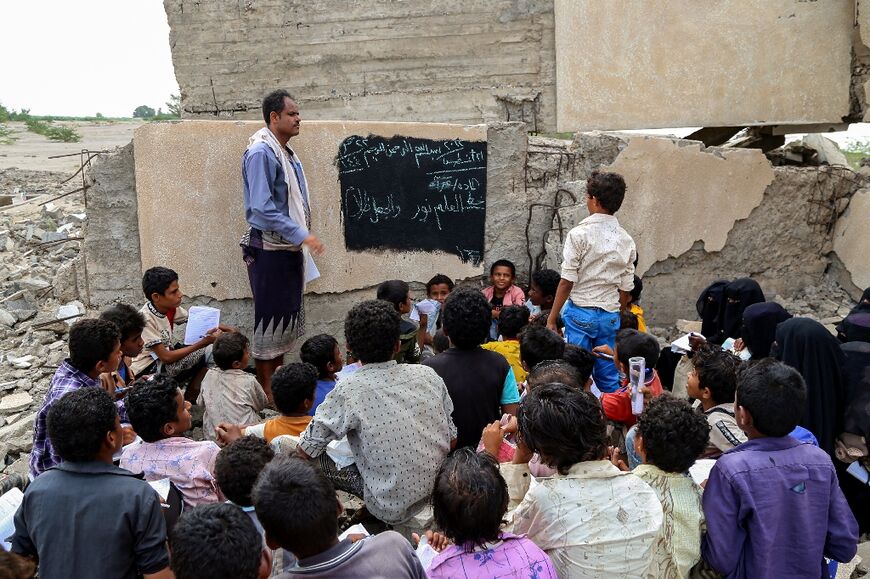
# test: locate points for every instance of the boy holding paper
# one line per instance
(161, 353)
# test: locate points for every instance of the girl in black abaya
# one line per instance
(759, 327)
(710, 306)
(739, 295)
(806, 345)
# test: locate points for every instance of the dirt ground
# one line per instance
(31, 151)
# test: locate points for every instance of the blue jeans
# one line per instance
(590, 327)
(634, 458)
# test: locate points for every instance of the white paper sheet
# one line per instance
(200, 319)
(162, 487)
(859, 472)
(425, 552)
(9, 504)
(356, 529)
(311, 271)
(340, 453)
(700, 471)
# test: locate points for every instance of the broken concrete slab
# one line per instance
(18, 428)
(851, 240)
(7, 318)
(15, 402)
(829, 152)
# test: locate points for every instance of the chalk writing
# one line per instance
(413, 194)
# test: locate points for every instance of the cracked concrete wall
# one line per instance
(700, 215)
(632, 65)
(199, 162)
(433, 61)
(852, 241)
(111, 246)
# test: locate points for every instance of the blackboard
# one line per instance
(413, 194)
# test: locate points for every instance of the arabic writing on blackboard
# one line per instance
(413, 194)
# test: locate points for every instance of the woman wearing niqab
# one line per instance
(759, 327)
(806, 345)
(739, 295)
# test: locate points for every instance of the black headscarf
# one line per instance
(710, 305)
(759, 327)
(806, 345)
(739, 294)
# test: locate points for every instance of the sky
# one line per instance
(78, 58)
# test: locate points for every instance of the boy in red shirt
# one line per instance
(630, 344)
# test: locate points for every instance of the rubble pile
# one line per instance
(39, 239)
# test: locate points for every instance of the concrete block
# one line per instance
(15, 402)
(630, 65)
(851, 241)
(18, 428)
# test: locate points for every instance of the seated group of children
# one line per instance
(500, 450)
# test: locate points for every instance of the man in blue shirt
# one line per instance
(278, 211)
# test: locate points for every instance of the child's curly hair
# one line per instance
(674, 435)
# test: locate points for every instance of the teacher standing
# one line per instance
(278, 211)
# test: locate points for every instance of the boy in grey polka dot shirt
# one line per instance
(397, 418)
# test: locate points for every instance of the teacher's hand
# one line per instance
(313, 244)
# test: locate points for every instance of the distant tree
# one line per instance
(100, 116)
(143, 112)
(173, 105)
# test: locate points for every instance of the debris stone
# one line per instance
(15, 402)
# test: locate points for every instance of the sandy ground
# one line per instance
(31, 151)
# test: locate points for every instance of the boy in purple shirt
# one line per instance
(773, 504)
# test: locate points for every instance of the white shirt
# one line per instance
(599, 258)
(596, 522)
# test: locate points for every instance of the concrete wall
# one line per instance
(697, 215)
(852, 239)
(196, 166)
(618, 65)
(434, 61)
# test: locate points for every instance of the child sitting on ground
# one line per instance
(322, 352)
(713, 382)
(94, 349)
(511, 322)
(502, 292)
(542, 292)
(427, 312)
(398, 293)
(583, 361)
(130, 323)
(218, 542)
(293, 386)
(160, 416)
(229, 394)
(470, 500)
(86, 517)
(481, 383)
(162, 353)
(628, 302)
(630, 344)
(597, 263)
(396, 418)
(293, 485)
(670, 437)
(592, 519)
(773, 505)
(537, 344)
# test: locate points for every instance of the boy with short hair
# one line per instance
(396, 418)
(502, 292)
(86, 517)
(481, 383)
(228, 393)
(160, 416)
(293, 386)
(773, 505)
(162, 353)
(597, 264)
(291, 485)
(94, 349)
(322, 352)
(630, 344)
(713, 382)
(398, 293)
(511, 322)
(583, 361)
(542, 292)
(592, 519)
(218, 542)
(130, 322)
(428, 312)
(538, 344)
(670, 437)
